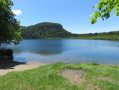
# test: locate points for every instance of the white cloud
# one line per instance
(17, 12)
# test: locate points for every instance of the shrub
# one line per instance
(6, 55)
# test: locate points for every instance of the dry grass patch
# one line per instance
(108, 79)
(74, 76)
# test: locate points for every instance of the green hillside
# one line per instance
(48, 30)
(45, 30)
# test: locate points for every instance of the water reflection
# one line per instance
(45, 53)
(67, 50)
(42, 47)
(20, 59)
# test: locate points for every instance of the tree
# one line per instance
(104, 9)
(10, 30)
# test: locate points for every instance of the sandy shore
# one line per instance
(16, 66)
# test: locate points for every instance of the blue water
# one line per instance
(66, 50)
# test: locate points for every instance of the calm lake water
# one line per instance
(66, 50)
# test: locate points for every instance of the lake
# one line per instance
(47, 51)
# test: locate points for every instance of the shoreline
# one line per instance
(16, 66)
(72, 38)
(61, 76)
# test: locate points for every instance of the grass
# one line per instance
(47, 78)
(98, 37)
(94, 37)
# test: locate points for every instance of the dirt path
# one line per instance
(16, 66)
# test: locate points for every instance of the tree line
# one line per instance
(48, 30)
(112, 35)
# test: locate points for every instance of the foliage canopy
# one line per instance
(104, 9)
(9, 26)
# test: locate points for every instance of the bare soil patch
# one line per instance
(74, 76)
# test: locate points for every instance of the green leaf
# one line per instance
(91, 15)
(103, 17)
(95, 6)
(109, 9)
(101, 5)
(106, 6)
(93, 20)
(106, 15)
(97, 14)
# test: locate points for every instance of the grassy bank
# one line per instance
(47, 78)
(113, 35)
(102, 37)
(106, 37)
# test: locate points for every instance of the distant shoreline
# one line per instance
(73, 38)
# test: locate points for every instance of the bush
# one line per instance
(9, 52)
(6, 52)
(6, 55)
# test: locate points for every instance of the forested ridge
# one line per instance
(44, 30)
(48, 30)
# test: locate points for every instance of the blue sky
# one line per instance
(72, 14)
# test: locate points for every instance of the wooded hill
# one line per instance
(45, 30)
(48, 30)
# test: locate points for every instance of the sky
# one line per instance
(72, 14)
